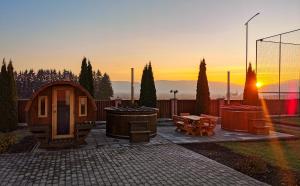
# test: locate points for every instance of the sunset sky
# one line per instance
(117, 35)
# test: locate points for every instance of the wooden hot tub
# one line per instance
(118, 120)
(241, 118)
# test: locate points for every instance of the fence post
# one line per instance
(173, 107)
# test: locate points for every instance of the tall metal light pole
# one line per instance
(132, 86)
(246, 24)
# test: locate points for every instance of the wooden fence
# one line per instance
(273, 107)
(164, 107)
(101, 114)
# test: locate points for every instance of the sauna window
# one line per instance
(42, 106)
(82, 106)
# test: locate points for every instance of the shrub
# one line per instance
(6, 140)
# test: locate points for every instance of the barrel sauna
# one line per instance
(61, 112)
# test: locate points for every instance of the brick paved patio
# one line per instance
(161, 164)
(168, 132)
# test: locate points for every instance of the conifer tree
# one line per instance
(105, 91)
(3, 97)
(8, 98)
(143, 90)
(152, 89)
(90, 78)
(85, 76)
(12, 110)
(202, 96)
(250, 96)
(97, 80)
(148, 91)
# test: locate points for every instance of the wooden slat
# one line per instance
(186, 106)
(101, 104)
(164, 107)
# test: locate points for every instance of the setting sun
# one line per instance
(90, 91)
(259, 84)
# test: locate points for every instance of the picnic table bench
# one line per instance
(195, 125)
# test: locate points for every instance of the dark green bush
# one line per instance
(6, 140)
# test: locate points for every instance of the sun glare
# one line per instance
(258, 84)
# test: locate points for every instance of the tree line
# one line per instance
(97, 84)
(29, 81)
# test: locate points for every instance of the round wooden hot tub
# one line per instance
(239, 117)
(118, 120)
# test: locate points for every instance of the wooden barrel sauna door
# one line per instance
(63, 118)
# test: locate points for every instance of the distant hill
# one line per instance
(186, 89)
(287, 86)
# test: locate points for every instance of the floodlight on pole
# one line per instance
(246, 24)
(174, 92)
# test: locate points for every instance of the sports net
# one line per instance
(278, 65)
(278, 69)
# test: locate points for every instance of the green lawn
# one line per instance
(288, 120)
(285, 154)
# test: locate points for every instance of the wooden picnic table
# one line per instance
(192, 117)
(195, 125)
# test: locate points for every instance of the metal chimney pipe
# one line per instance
(132, 87)
(228, 87)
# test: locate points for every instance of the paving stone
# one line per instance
(159, 164)
(169, 133)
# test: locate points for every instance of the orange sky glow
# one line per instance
(174, 35)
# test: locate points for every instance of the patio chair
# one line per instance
(194, 129)
(208, 125)
(215, 118)
(179, 123)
